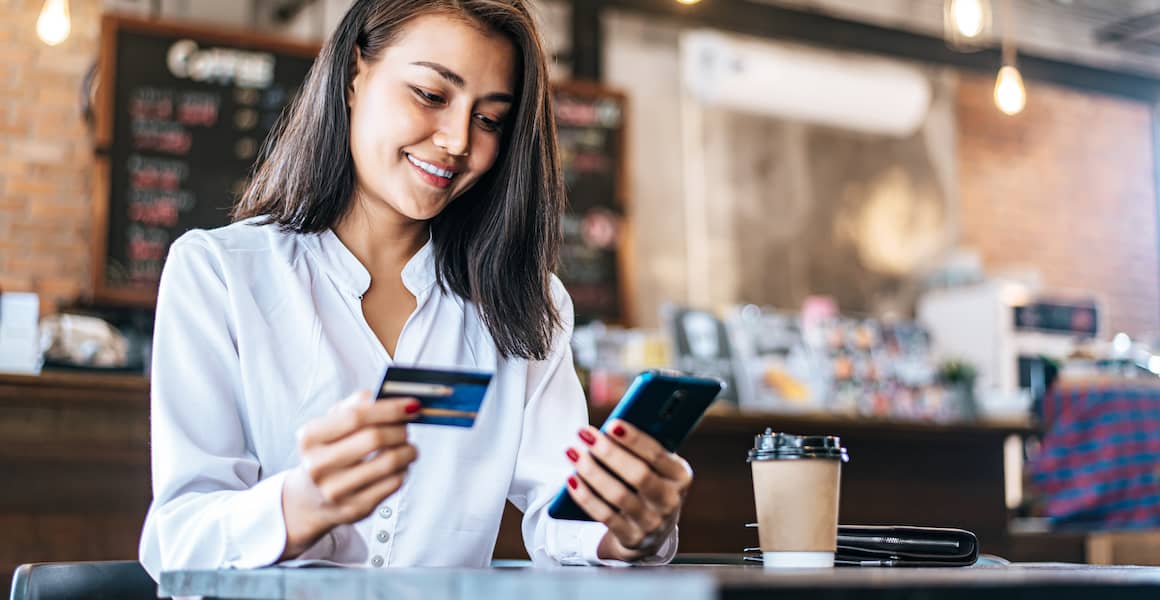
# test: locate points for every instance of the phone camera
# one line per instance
(670, 406)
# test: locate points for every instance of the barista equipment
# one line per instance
(1009, 334)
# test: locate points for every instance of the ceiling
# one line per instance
(1121, 35)
(1130, 26)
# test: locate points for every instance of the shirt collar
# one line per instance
(418, 273)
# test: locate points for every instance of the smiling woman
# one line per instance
(381, 95)
(406, 211)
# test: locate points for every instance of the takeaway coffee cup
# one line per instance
(796, 482)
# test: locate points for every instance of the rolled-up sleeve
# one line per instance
(553, 414)
(211, 506)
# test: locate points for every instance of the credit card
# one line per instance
(447, 397)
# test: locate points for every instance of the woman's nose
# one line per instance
(454, 135)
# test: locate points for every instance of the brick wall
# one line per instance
(45, 153)
(1067, 188)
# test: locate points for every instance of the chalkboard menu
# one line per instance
(591, 124)
(182, 112)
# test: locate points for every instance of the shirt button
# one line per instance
(377, 561)
(385, 512)
(382, 536)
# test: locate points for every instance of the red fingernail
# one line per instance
(413, 407)
(572, 483)
(587, 437)
(572, 454)
(618, 430)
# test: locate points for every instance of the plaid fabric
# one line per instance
(1099, 465)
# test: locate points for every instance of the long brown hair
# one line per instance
(498, 243)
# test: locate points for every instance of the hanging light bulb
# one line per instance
(967, 17)
(53, 25)
(965, 23)
(1010, 95)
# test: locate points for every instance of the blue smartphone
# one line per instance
(664, 405)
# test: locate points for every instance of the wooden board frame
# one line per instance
(104, 111)
(625, 264)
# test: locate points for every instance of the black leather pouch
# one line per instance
(878, 546)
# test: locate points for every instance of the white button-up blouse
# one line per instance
(259, 331)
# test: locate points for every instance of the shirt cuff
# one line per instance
(255, 525)
(577, 542)
(566, 540)
(666, 553)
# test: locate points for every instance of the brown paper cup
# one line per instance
(796, 491)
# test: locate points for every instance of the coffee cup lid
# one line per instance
(782, 446)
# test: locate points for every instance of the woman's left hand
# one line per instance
(640, 515)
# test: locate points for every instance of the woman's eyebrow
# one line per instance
(455, 79)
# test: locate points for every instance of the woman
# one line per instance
(406, 211)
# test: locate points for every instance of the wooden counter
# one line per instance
(75, 462)
(75, 467)
(900, 473)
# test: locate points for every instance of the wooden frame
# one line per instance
(105, 111)
(625, 265)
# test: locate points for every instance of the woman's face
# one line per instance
(426, 118)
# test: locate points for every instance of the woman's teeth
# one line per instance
(430, 168)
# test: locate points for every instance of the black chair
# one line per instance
(111, 580)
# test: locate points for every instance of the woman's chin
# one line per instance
(423, 213)
(413, 210)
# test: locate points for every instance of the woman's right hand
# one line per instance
(353, 458)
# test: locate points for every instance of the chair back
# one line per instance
(100, 580)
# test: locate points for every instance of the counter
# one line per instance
(75, 467)
(900, 473)
(75, 462)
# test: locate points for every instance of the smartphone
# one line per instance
(665, 405)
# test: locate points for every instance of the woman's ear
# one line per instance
(356, 68)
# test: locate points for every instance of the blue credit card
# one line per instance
(447, 397)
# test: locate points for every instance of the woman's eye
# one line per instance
(488, 124)
(428, 97)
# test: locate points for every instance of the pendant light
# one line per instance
(53, 25)
(1010, 94)
(966, 24)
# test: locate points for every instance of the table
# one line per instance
(700, 582)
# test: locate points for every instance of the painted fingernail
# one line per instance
(587, 437)
(412, 407)
(572, 483)
(572, 454)
(618, 430)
